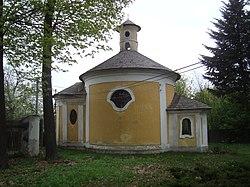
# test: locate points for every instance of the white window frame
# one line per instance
(113, 104)
(192, 128)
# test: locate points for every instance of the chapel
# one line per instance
(128, 104)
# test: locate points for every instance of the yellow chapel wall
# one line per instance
(139, 124)
(169, 94)
(72, 129)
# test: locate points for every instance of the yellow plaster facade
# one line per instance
(72, 129)
(151, 120)
(169, 94)
(139, 124)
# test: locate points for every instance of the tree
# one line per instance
(228, 67)
(12, 13)
(45, 32)
(20, 95)
(3, 141)
(72, 24)
(182, 87)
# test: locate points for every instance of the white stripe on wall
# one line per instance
(198, 129)
(163, 114)
(87, 115)
(80, 124)
(57, 123)
(64, 124)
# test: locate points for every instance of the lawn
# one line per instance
(223, 165)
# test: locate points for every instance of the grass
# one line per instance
(223, 165)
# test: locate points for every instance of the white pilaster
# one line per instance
(198, 129)
(163, 115)
(57, 123)
(87, 115)
(64, 123)
(174, 125)
(80, 124)
(204, 122)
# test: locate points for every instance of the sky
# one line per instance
(172, 33)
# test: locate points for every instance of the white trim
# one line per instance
(163, 114)
(173, 130)
(129, 149)
(198, 129)
(192, 127)
(57, 123)
(113, 104)
(64, 123)
(204, 123)
(128, 75)
(87, 115)
(80, 123)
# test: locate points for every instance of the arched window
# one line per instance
(186, 128)
(120, 98)
(127, 46)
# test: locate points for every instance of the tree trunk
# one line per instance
(49, 123)
(3, 137)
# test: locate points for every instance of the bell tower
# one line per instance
(128, 36)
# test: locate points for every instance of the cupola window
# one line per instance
(120, 99)
(127, 33)
(127, 46)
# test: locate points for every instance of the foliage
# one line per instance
(226, 113)
(218, 116)
(35, 33)
(183, 87)
(13, 15)
(42, 32)
(79, 28)
(20, 95)
(71, 24)
(79, 168)
(229, 66)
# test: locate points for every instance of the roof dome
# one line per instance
(128, 22)
(128, 58)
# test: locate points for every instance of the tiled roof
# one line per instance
(75, 89)
(127, 60)
(128, 22)
(183, 103)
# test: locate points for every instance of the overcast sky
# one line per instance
(172, 34)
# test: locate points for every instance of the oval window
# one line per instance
(127, 34)
(73, 116)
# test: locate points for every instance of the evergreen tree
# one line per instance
(228, 67)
